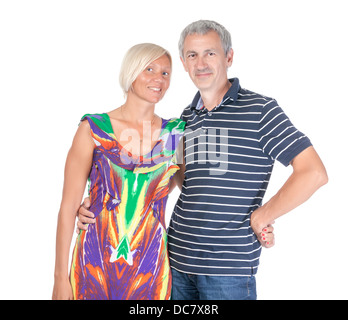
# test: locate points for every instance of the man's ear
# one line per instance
(184, 64)
(229, 58)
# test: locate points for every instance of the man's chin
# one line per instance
(203, 84)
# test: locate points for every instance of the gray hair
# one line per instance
(202, 27)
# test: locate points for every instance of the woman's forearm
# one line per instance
(65, 229)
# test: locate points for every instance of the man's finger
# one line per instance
(81, 226)
(84, 212)
(86, 220)
(86, 202)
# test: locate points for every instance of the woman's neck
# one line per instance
(137, 111)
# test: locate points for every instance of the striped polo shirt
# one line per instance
(229, 156)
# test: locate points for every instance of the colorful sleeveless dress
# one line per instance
(124, 254)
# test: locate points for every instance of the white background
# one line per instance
(60, 59)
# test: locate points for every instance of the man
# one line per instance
(232, 138)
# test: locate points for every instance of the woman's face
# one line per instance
(152, 84)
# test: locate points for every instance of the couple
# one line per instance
(132, 160)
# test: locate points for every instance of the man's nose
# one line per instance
(201, 63)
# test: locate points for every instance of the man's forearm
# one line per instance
(308, 176)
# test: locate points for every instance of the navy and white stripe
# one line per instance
(229, 157)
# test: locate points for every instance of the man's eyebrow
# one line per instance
(205, 51)
(190, 51)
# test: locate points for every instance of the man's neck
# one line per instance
(213, 99)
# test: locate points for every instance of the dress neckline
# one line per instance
(130, 154)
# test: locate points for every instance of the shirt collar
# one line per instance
(232, 93)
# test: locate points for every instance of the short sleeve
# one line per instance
(101, 120)
(278, 137)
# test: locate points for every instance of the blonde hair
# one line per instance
(136, 60)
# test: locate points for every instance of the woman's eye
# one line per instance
(149, 69)
(166, 73)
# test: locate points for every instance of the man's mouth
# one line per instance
(203, 74)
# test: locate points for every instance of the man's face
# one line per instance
(206, 62)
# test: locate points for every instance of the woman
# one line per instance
(128, 156)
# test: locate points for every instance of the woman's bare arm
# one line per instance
(77, 168)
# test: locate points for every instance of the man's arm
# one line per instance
(308, 176)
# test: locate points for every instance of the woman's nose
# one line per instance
(159, 77)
